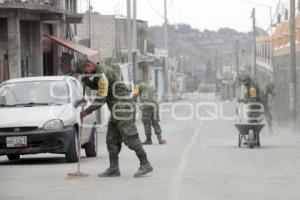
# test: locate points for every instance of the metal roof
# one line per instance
(92, 55)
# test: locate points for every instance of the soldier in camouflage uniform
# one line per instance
(252, 98)
(121, 126)
(268, 90)
(150, 112)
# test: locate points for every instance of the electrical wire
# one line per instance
(275, 14)
(263, 5)
(170, 5)
(154, 9)
(254, 3)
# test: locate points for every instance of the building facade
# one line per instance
(273, 63)
(23, 49)
(109, 35)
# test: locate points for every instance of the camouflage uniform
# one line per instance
(121, 125)
(252, 95)
(150, 111)
(268, 90)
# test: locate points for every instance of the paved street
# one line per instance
(200, 161)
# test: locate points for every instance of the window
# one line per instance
(75, 91)
(35, 92)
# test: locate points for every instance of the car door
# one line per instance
(89, 120)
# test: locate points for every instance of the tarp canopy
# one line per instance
(92, 55)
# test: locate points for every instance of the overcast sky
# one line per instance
(202, 14)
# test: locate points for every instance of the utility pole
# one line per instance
(271, 23)
(271, 36)
(253, 70)
(237, 57)
(129, 32)
(216, 63)
(166, 42)
(89, 13)
(293, 80)
(182, 63)
(237, 60)
(134, 43)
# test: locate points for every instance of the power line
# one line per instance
(275, 14)
(267, 6)
(254, 3)
(170, 5)
(154, 9)
(277, 9)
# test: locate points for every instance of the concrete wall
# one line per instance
(263, 75)
(21, 34)
(103, 33)
(109, 35)
(36, 48)
(3, 50)
(31, 48)
(3, 36)
(14, 46)
(25, 38)
(281, 80)
(121, 32)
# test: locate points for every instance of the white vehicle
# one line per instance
(42, 115)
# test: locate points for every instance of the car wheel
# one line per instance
(13, 157)
(91, 148)
(72, 153)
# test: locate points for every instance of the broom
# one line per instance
(78, 173)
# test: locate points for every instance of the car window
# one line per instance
(48, 92)
(87, 90)
(7, 95)
(75, 91)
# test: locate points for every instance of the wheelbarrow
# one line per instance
(249, 134)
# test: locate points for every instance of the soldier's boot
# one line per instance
(157, 129)
(160, 140)
(110, 172)
(148, 141)
(145, 167)
(143, 170)
(113, 170)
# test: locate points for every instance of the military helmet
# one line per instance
(269, 88)
(245, 77)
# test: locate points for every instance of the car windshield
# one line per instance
(34, 93)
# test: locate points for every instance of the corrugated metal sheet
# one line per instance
(92, 55)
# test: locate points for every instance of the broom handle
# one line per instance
(80, 133)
